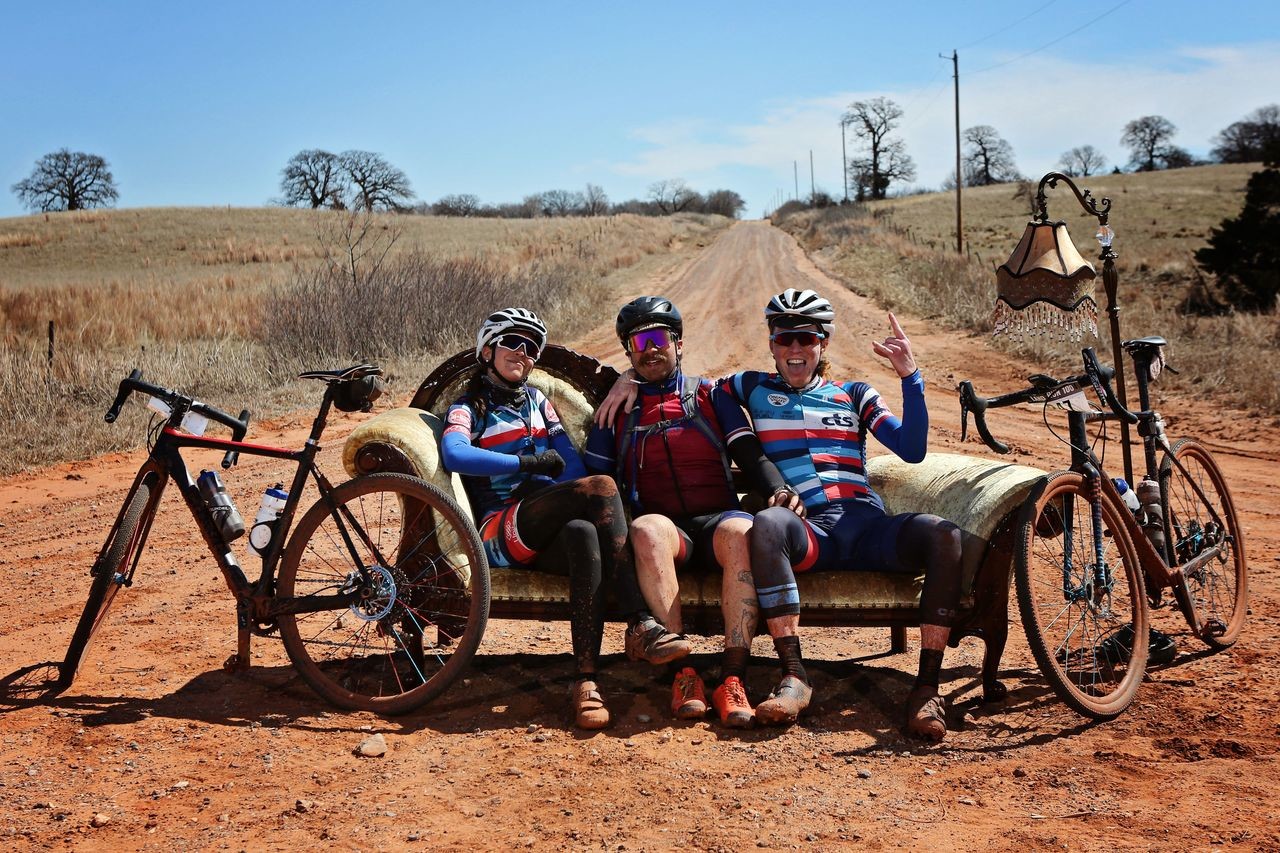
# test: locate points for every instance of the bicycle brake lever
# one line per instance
(233, 456)
(121, 395)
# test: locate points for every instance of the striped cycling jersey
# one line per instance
(816, 435)
(505, 429)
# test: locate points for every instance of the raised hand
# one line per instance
(897, 349)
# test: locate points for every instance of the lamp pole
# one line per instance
(1110, 284)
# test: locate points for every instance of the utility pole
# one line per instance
(844, 162)
(955, 64)
(813, 191)
(795, 169)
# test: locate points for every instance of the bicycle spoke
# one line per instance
(401, 583)
(1078, 584)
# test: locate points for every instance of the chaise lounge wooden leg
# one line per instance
(897, 639)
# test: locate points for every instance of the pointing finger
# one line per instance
(895, 326)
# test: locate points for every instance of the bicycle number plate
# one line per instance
(1076, 402)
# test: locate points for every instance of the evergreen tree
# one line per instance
(1244, 252)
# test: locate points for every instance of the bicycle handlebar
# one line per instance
(179, 402)
(1100, 378)
(1043, 389)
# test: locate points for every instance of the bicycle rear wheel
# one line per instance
(1216, 594)
(1085, 619)
(422, 594)
(108, 577)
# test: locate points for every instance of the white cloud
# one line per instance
(1043, 105)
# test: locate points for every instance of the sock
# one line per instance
(735, 663)
(789, 653)
(674, 667)
(930, 667)
(636, 618)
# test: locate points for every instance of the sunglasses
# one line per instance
(786, 339)
(519, 343)
(659, 338)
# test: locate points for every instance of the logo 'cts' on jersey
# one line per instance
(815, 435)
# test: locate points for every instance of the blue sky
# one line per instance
(202, 104)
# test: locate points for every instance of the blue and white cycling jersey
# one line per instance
(816, 435)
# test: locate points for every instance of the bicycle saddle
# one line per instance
(1150, 342)
(357, 371)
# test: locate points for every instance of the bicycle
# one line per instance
(1088, 568)
(380, 593)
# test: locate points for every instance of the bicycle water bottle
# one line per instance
(220, 505)
(1129, 495)
(264, 523)
(1151, 514)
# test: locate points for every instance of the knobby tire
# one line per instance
(1215, 597)
(105, 584)
(1090, 643)
(417, 628)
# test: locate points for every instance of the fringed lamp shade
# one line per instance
(1045, 287)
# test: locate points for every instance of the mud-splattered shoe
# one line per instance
(588, 705)
(648, 640)
(730, 702)
(787, 701)
(926, 714)
(688, 695)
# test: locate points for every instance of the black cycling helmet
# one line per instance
(648, 311)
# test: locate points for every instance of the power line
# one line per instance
(1005, 29)
(1062, 37)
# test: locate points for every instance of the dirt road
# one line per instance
(165, 751)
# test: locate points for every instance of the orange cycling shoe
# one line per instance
(688, 695)
(730, 701)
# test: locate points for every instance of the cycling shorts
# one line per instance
(854, 536)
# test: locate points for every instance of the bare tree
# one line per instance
(355, 245)
(67, 180)
(375, 183)
(462, 204)
(562, 202)
(672, 195)
(885, 160)
(1146, 138)
(594, 201)
(989, 158)
(314, 178)
(1249, 140)
(1082, 161)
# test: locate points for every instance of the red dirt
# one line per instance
(172, 752)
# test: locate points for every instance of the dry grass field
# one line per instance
(902, 251)
(194, 297)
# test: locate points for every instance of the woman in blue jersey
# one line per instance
(534, 504)
(815, 431)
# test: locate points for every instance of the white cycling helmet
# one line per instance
(520, 321)
(793, 308)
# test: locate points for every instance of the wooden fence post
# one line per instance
(50, 346)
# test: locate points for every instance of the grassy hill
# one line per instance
(902, 251)
(198, 298)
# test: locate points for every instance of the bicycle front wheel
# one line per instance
(1215, 598)
(1082, 598)
(108, 577)
(415, 565)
